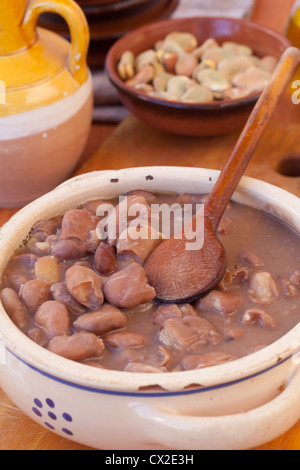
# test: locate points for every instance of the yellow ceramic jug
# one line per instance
(46, 98)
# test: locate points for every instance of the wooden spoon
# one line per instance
(179, 274)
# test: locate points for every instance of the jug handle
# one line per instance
(77, 23)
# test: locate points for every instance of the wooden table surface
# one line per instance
(135, 144)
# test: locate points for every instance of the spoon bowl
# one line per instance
(178, 274)
(180, 253)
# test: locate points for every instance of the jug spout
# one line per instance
(12, 36)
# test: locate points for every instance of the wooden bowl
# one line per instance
(216, 118)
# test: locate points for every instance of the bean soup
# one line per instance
(77, 287)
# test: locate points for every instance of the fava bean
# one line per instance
(53, 318)
(100, 322)
(225, 303)
(129, 287)
(78, 347)
(15, 308)
(227, 68)
(85, 286)
(259, 317)
(189, 333)
(34, 293)
(124, 339)
(44, 228)
(262, 288)
(68, 249)
(105, 260)
(60, 293)
(77, 223)
(48, 269)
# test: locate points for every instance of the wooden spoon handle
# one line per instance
(260, 116)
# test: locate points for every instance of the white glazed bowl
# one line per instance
(238, 405)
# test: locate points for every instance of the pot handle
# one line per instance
(239, 431)
(78, 25)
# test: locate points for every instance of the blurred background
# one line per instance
(111, 19)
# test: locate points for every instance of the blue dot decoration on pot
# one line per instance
(51, 419)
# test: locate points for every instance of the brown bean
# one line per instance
(48, 269)
(150, 198)
(92, 242)
(34, 293)
(67, 249)
(225, 303)
(61, 294)
(15, 308)
(262, 288)
(38, 336)
(105, 260)
(77, 223)
(164, 312)
(24, 262)
(15, 280)
(127, 210)
(99, 322)
(187, 310)
(53, 318)
(20, 270)
(251, 259)
(129, 287)
(85, 286)
(92, 206)
(255, 316)
(44, 228)
(140, 241)
(78, 347)
(158, 357)
(124, 339)
(189, 333)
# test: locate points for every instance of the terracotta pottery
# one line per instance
(45, 98)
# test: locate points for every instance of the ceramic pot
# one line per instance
(45, 99)
(238, 405)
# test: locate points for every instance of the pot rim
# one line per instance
(256, 193)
